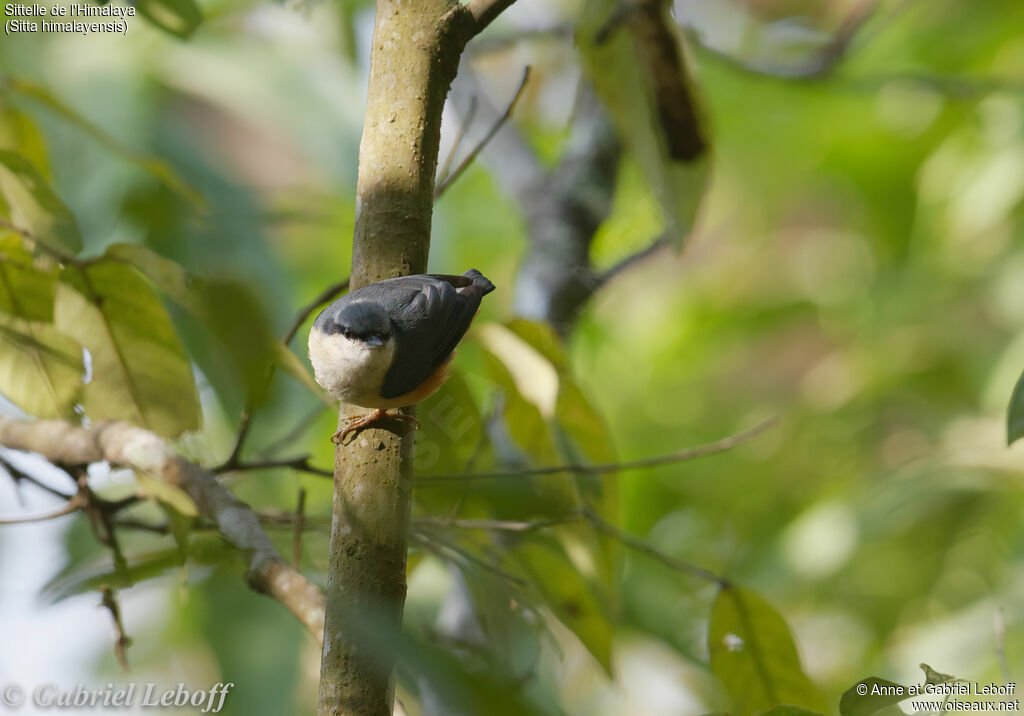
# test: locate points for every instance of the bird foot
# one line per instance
(355, 423)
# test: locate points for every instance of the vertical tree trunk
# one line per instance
(416, 49)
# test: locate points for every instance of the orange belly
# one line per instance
(424, 391)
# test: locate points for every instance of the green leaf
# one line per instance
(228, 311)
(160, 170)
(18, 133)
(34, 207)
(567, 593)
(139, 369)
(753, 654)
(27, 286)
(166, 493)
(639, 72)
(1015, 414)
(40, 368)
(452, 429)
(872, 696)
(178, 17)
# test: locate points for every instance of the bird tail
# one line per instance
(480, 282)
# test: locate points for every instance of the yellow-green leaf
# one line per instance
(35, 207)
(753, 655)
(139, 369)
(40, 368)
(27, 285)
(167, 493)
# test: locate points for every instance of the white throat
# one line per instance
(349, 369)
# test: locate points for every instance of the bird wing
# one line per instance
(431, 313)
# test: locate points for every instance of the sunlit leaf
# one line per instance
(40, 368)
(638, 68)
(18, 133)
(26, 285)
(1015, 414)
(34, 206)
(567, 593)
(228, 312)
(167, 493)
(139, 369)
(753, 655)
(452, 428)
(178, 17)
(872, 696)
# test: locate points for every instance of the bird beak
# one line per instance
(374, 341)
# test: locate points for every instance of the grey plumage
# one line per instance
(425, 316)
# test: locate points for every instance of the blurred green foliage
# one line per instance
(172, 197)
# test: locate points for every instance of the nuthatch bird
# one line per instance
(390, 344)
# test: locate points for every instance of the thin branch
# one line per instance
(126, 445)
(300, 524)
(300, 463)
(819, 64)
(466, 122)
(74, 504)
(438, 545)
(629, 261)
(498, 525)
(292, 435)
(484, 12)
(690, 453)
(450, 179)
(123, 640)
(245, 421)
(642, 547)
(326, 295)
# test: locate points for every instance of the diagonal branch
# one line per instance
(449, 179)
(125, 445)
(690, 453)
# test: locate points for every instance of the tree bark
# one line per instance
(415, 55)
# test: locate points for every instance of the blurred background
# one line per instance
(857, 269)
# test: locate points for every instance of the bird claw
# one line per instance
(358, 422)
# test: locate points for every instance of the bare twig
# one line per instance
(690, 453)
(326, 295)
(498, 525)
(123, 640)
(300, 524)
(642, 547)
(75, 503)
(300, 463)
(629, 261)
(464, 164)
(245, 421)
(818, 65)
(129, 446)
(464, 124)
